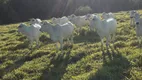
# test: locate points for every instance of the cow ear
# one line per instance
(53, 18)
(93, 19)
(20, 25)
(73, 15)
(104, 13)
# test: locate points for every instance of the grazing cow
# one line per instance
(31, 32)
(132, 15)
(59, 32)
(60, 21)
(138, 23)
(90, 16)
(35, 21)
(104, 28)
(79, 21)
(107, 15)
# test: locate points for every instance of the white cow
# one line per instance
(90, 16)
(104, 28)
(79, 21)
(59, 32)
(107, 15)
(60, 21)
(35, 21)
(31, 32)
(138, 23)
(132, 15)
(71, 16)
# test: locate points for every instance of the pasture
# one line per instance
(84, 60)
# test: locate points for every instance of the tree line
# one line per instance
(12, 11)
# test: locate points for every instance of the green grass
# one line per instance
(84, 60)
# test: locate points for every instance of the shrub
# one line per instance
(82, 10)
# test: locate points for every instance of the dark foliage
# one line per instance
(12, 11)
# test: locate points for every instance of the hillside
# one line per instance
(84, 60)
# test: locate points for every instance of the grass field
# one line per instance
(84, 60)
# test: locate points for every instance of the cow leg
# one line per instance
(107, 41)
(139, 46)
(113, 38)
(57, 46)
(132, 22)
(37, 43)
(78, 31)
(102, 42)
(72, 39)
(31, 43)
(68, 41)
(61, 44)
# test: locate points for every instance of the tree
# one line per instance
(82, 10)
(12, 11)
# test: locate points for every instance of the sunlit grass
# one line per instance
(84, 60)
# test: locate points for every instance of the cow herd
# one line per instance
(63, 28)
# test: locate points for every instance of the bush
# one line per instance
(82, 10)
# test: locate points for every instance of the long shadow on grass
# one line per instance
(59, 64)
(89, 37)
(115, 67)
(19, 62)
(16, 65)
(25, 45)
(20, 46)
(43, 40)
